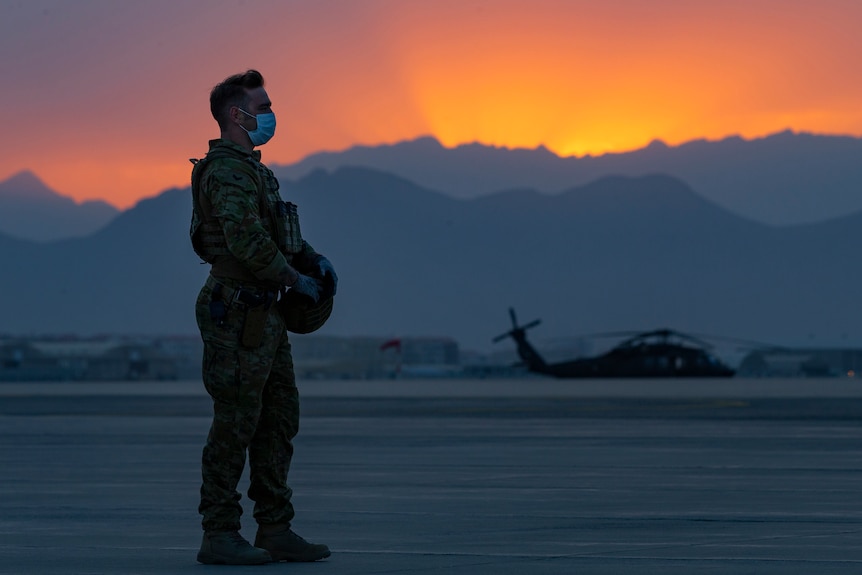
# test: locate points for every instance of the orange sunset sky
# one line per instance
(109, 98)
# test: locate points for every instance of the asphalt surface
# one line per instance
(498, 477)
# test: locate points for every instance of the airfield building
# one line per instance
(802, 362)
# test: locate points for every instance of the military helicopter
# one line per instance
(658, 353)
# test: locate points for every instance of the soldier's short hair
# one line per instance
(233, 91)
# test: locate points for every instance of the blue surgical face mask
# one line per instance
(265, 127)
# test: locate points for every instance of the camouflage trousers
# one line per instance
(255, 411)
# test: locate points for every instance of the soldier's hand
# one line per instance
(307, 286)
(325, 267)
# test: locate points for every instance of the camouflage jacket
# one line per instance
(239, 224)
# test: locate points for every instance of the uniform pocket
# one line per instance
(221, 372)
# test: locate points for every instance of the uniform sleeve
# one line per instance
(234, 198)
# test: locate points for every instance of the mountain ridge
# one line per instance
(779, 179)
(30, 210)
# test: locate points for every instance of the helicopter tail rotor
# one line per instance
(516, 330)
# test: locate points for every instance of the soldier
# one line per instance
(252, 240)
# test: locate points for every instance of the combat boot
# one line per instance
(285, 545)
(229, 548)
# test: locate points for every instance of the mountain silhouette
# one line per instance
(782, 179)
(619, 253)
(31, 210)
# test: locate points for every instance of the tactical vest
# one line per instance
(279, 218)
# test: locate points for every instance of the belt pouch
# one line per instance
(254, 325)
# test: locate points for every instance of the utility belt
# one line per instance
(254, 302)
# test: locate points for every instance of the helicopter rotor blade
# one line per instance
(501, 337)
(627, 333)
(743, 343)
(515, 327)
(691, 338)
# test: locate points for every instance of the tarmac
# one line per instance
(516, 476)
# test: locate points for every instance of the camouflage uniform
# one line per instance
(238, 227)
